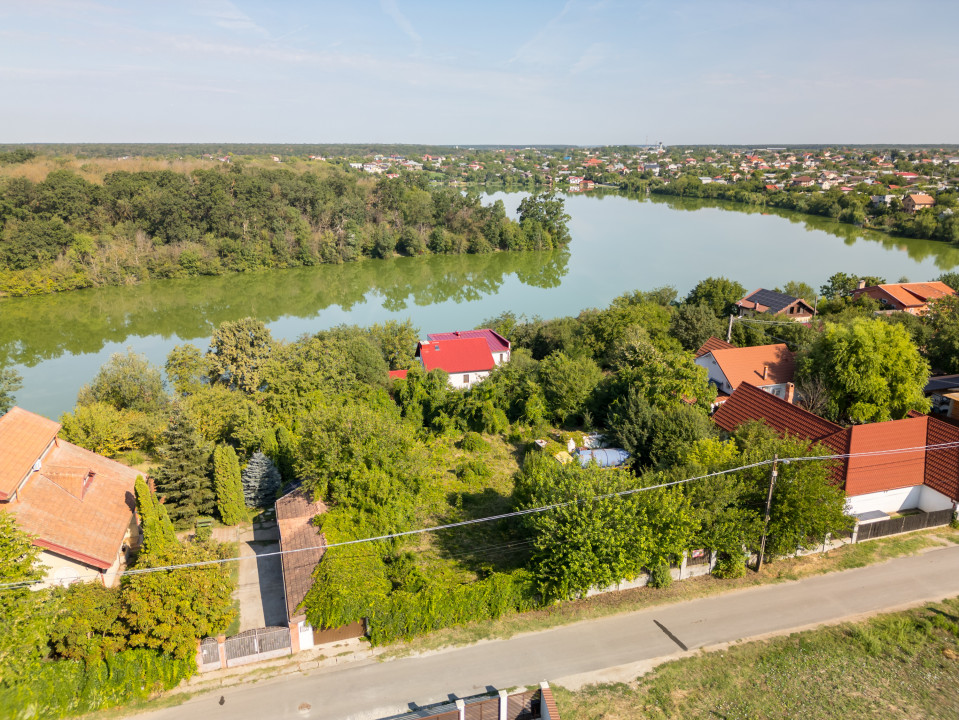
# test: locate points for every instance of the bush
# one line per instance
(660, 576)
(473, 471)
(473, 442)
(730, 566)
(66, 688)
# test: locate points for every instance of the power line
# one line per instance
(521, 513)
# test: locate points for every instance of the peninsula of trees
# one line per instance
(65, 232)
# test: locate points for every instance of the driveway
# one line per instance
(260, 586)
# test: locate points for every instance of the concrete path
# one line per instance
(613, 648)
(260, 583)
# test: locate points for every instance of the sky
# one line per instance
(484, 72)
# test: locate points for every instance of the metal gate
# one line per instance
(209, 651)
(258, 644)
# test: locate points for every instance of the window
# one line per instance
(466, 379)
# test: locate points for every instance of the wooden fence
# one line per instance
(905, 523)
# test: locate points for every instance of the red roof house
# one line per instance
(890, 466)
(913, 298)
(78, 506)
(770, 367)
(467, 360)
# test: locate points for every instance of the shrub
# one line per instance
(730, 566)
(473, 442)
(660, 576)
(473, 471)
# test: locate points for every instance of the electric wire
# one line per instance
(520, 513)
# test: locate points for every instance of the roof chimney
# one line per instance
(862, 284)
(765, 371)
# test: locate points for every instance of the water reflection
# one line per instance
(40, 328)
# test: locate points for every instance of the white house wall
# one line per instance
(919, 497)
(462, 381)
(715, 373)
(932, 500)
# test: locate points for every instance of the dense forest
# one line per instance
(66, 232)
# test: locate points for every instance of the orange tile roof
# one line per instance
(749, 364)
(294, 515)
(79, 505)
(909, 294)
(875, 473)
(24, 437)
(750, 403)
(713, 343)
(942, 464)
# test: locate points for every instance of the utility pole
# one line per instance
(729, 330)
(769, 502)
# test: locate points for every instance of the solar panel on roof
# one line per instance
(773, 300)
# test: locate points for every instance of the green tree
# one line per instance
(127, 382)
(187, 369)
(567, 384)
(951, 279)
(719, 294)
(238, 351)
(591, 539)
(158, 533)
(942, 346)
(806, 505)
(228, 486)
(24, 611)
(693, 325)
(10, 382)
(100, 427)
(169, 610)
(799, 289)
(397, 342)
(656, 438)
(182, 477)
(871, 370)
(87, 626)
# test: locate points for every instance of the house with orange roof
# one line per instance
(914, 202)
(913, 298)
(78, 506)
(768, 367)
(886, 467)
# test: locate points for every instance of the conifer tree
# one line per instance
(183, 477)
(261, 480)
(158, 533)
(228, 485)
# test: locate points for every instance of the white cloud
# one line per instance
(393, 10)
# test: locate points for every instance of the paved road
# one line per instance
(377, 689)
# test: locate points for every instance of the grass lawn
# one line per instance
(844, 558)
(902, 666)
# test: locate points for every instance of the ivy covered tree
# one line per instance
(260, 480)
(25, 613)
(158, 533)
(182, 477)
(169, 610)
(593, 540)
(228, 485)
(88, 627)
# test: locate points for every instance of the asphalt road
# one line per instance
(615, 647)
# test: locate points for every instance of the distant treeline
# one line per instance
(65, 232)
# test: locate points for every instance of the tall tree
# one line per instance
(238, 352)
(182, 477)
(261, 480)
(872, 371)
(943, 344)
(127, 382)
(719, 294)
(693, 325)
(228, 485)
(158, 533)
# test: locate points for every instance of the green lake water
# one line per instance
(58, 342)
